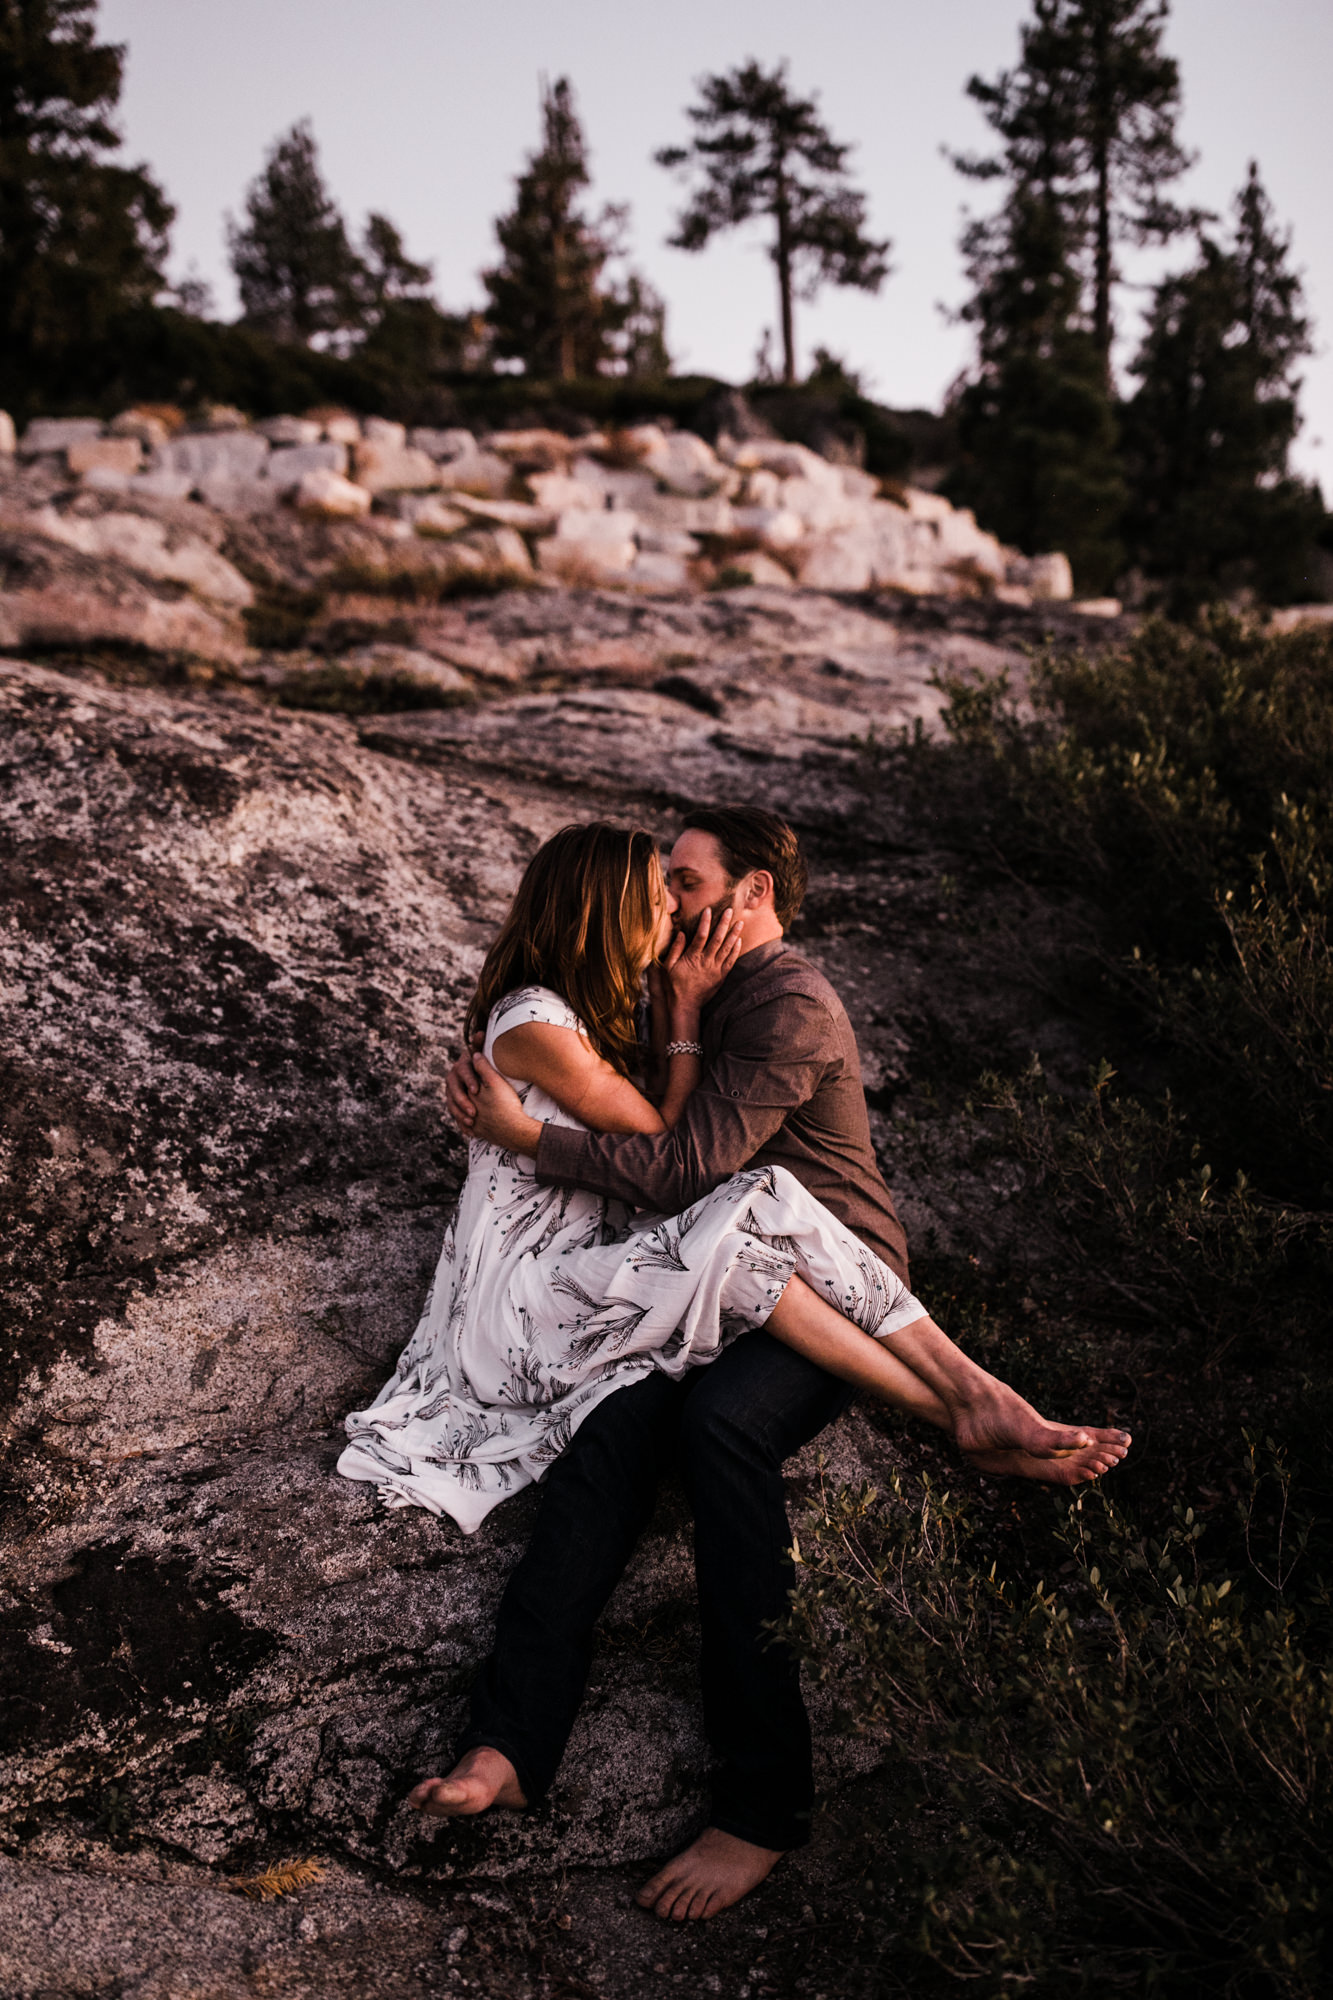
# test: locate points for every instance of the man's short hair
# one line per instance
(751, 838)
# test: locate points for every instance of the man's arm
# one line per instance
(781, 1051)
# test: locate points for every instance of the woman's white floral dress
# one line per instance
(546, 1300)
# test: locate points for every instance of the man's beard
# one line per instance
(687, 930)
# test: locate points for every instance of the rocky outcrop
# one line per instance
(682, 513)
(262, 800)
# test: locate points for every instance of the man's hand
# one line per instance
(497, 1114)
(461, 1087)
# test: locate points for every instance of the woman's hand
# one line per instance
(693, 972)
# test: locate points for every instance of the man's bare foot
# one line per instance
(995, 1418)
(711, 1875)
(482, 1779)
(1071, 1468)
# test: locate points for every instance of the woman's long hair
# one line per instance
(582, 923)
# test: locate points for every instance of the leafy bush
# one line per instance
(1183, 785)
(1139, 1741)
(1133, 1708)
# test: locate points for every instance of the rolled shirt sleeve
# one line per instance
(743, 1098)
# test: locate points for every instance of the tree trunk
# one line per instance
(1101, 153)
(784, 279)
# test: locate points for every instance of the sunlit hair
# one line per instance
(583, 923)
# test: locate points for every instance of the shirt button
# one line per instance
(735, 1093)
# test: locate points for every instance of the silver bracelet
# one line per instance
(685, 1048)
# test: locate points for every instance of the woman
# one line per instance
(545, 1300)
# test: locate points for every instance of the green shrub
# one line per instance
(1137, 1739)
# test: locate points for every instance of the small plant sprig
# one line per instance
(283, 1879)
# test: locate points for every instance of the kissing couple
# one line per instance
(673, 1247)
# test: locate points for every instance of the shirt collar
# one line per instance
(745, 967)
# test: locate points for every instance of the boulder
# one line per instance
(484, 473)
(1048, 577)
(328, 496)
(683, 463)
(770, 527)
(8, 441)
(760, 569)
(788, 461)
(223, 417)
(430, 515)
(59, 598)
(589, 545)
(761, 488)
(383, 466)
(146, 425)
(122, 455)
(1097, 607)
(289, 464)
(381, 430)
(339, 426)
(560, 491)
(660, 569)
(219, 456)
(46, 434)
(670, 513)
(842, 559)
(148, 546)
(162, 485)
(820, 504)
(291, 430)
(443, 445)
(532, 451)
(666, 542)
(620, 486)
(227, 495)
(513, 513)
(500, 549)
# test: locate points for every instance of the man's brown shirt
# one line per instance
(781, 1087)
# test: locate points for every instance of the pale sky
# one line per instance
(425, 110)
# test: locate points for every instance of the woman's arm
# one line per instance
(566, 1066)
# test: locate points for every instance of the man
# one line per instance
(782, 1086)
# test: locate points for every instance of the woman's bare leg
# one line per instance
(919, 1369)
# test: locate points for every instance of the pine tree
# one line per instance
(81, 238)
(1209, 431)
(1090, 113)
(298, 272)
(639, 346)
(1036, 428)
(549, 308)
(760, 151)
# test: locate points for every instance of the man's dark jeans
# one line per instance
(728, 1426)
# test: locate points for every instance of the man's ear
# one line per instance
(760, 889)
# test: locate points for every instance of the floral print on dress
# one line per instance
(547, 1300)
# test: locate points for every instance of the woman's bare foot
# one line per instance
(482, 1779)
(712, 1874)
(992, 1417)
(1071, 1468)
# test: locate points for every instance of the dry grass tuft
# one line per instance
(281, 1880)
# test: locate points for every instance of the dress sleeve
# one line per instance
(744, 1096)
(530, 1003)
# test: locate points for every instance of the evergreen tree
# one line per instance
(298, 272)
(639, 342)
(390, 275)
(1210, 429)
(1090, 115)
(760, 151)
(1036, 428)
(549, 308)
(81, 238)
